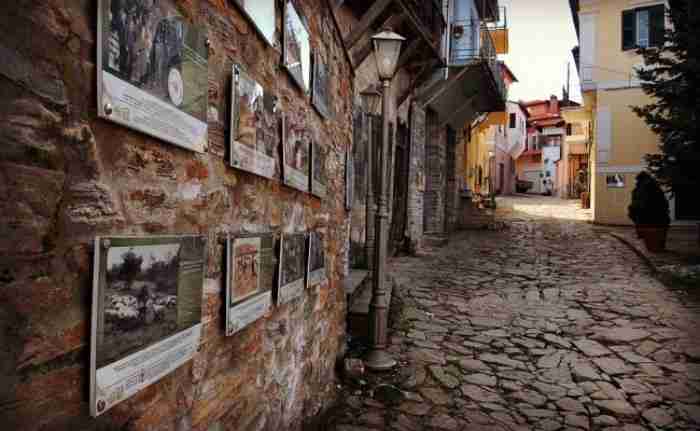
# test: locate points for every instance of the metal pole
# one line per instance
(371, 206)
(378, 359)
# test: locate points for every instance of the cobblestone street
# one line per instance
(549, 323)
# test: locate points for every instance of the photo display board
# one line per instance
(349, 180)
(317, 260)
(297, 48)
(146, 312)
(263, 16)
(254, 127)
(319, 174)
(296, 151)
(250, 274)
(320, 89)
(153, 71)
(292, 267)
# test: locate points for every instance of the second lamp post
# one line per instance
(387, 47)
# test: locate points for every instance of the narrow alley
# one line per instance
(545, 324)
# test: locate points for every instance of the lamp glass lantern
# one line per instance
(387, 47)
(371, 100)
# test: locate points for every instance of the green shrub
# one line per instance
(649, 204)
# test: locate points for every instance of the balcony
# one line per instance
(488, 10)
(499, 32)
(474, 81)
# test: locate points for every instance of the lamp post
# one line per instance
(371, 99)
(387, 46)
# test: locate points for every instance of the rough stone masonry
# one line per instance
(67, 176)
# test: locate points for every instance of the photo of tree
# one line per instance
(321, 91)
(317, 258)
(150, 291)
(319, 172)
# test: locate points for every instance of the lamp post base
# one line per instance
(379, 360)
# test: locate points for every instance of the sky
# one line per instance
(541, 35)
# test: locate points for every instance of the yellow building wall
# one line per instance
(616, 90)
(477, 154)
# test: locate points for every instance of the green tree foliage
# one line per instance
(672, 77)
(130, 267)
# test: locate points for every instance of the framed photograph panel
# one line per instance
(615, 181)
(146, 312)
(296, 151)
(250, 273)
(316, 260)
(292, 267)
(320, 88)
(254, 127)
(319, 173)
(152, 71)
(262, 14)
(296, 51)
(349, 180)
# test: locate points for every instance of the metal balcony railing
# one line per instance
(429, 13)
(472, 42)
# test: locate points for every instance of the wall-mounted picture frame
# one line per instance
(319, 169)
(146, 312)
(254, 127)
(296, 52)
(296, 151)
(615, 181)
(250, 271)
(316, 260)
(349, 180)
(163, 90)
(292, 267)
(263, 15)
(321, 87)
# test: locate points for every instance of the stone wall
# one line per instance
(436, 176)
(416, 177)
(68, 176)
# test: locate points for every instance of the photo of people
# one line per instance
(319, 175)
(149, 45)
(297, 152)
(321, 94)
(245, 269)
(292, 268)
(317, 258)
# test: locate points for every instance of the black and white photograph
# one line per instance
(349, 180)
(615, 181)
(262, 14)
(296, 151)
(153, 70)
(320, 87)
(316, 260)
(319, 173)
(146, 291)
(249, 283)
(254, 127)
(297, 48)
(292, 267)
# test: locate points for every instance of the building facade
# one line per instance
(609, 32)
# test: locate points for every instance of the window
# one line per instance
(568, 129)
(643, 27)
(512, 121)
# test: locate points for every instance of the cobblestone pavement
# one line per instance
(548, 324)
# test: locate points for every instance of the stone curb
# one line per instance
(637, 251)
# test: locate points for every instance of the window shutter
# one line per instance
(629, 29)
(656, 25)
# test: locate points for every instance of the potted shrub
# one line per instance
(634, 209)
(650, 212)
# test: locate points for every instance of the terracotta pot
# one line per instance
(585, 200)
(654, 237)
(638, 229)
